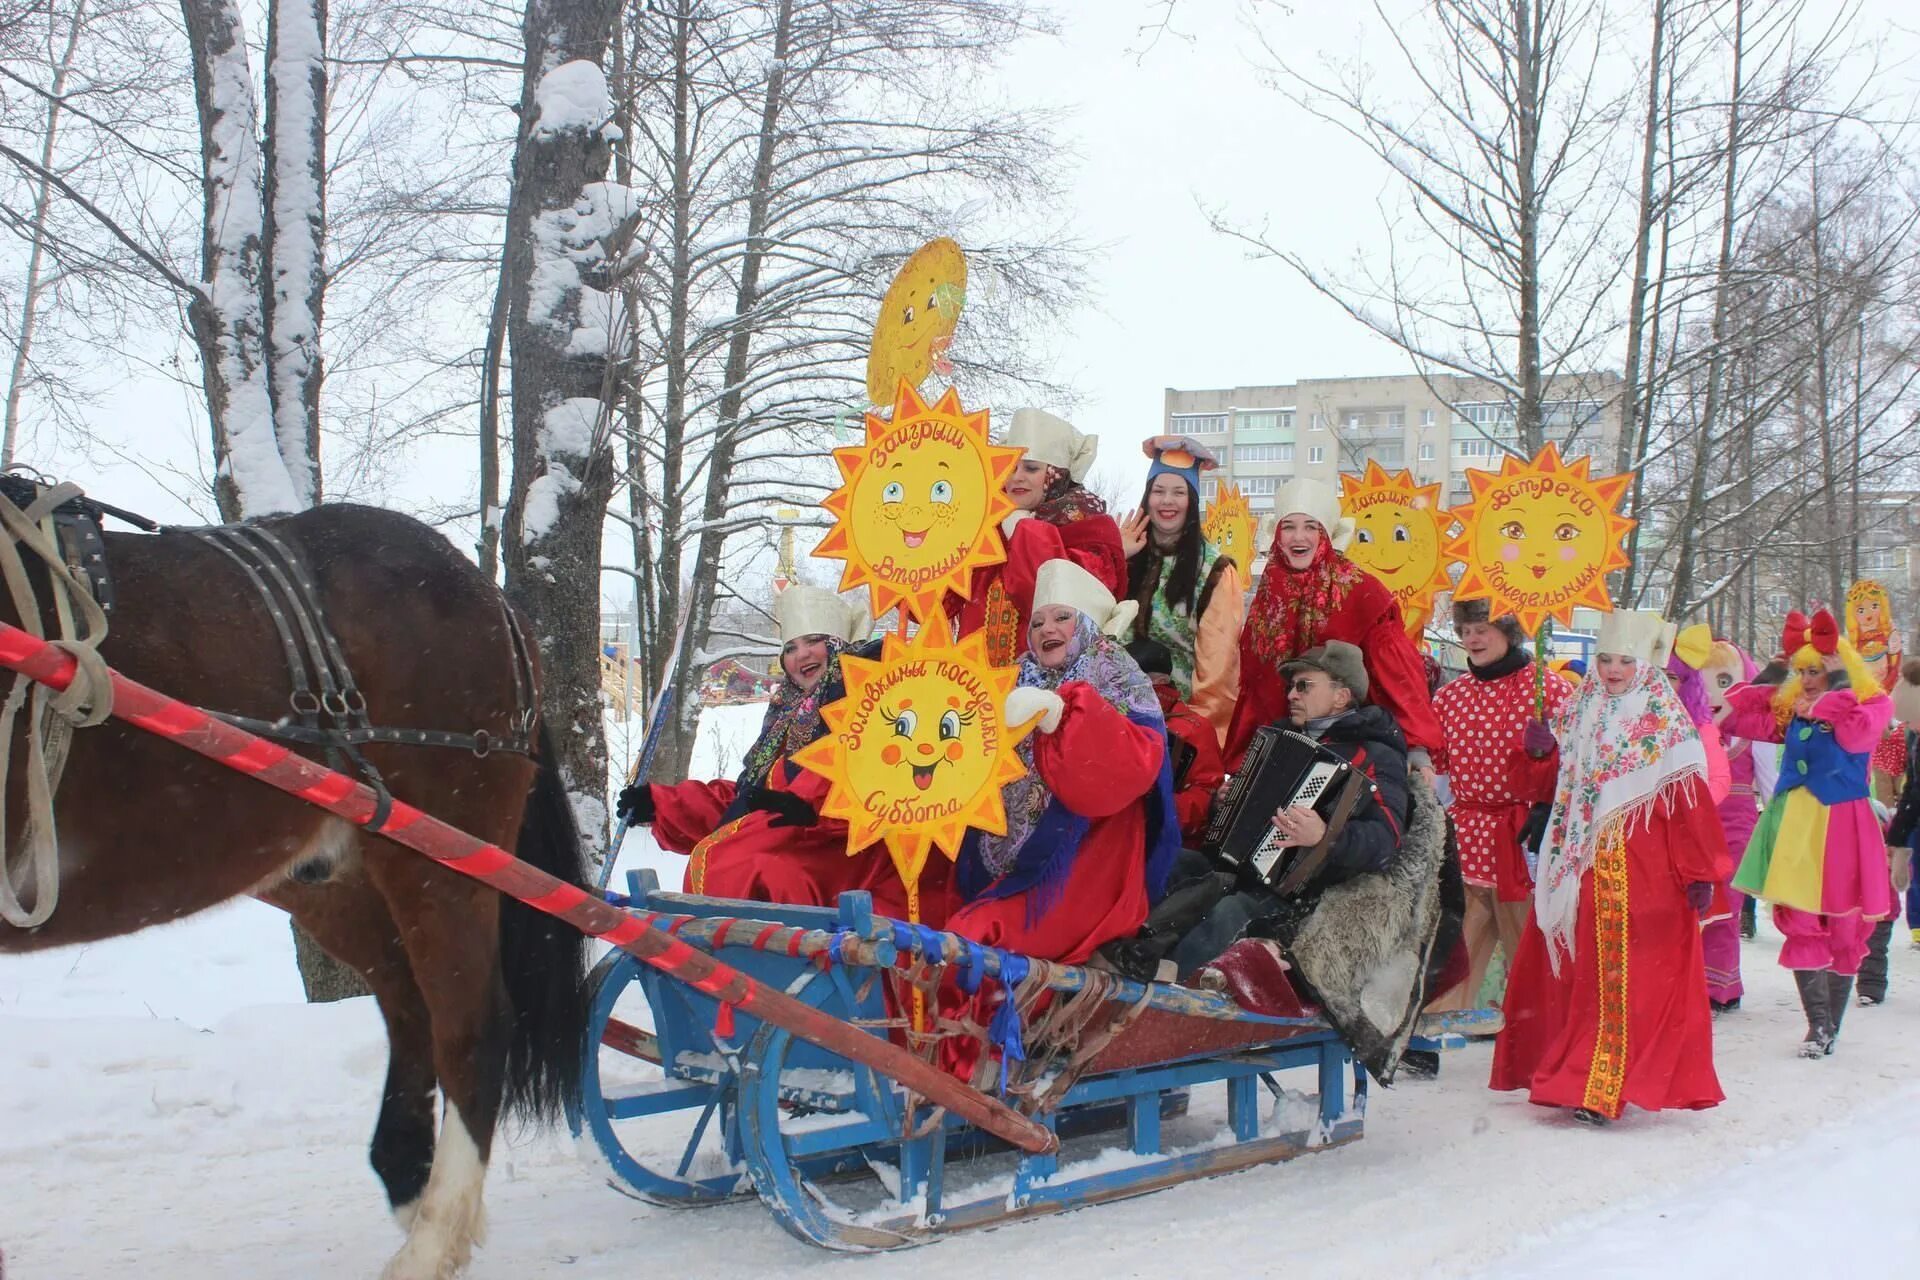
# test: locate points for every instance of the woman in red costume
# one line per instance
(1091, 829)
(761, 836)
(1607, 1002)
(1309, 594)
(1055, 517)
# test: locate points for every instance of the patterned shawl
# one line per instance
(1067, 501)
(1042, 837)
(793, 719)
(1619, 757)
(1290, 610)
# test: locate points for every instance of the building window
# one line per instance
(1200, 424)
(1316, 454)
(1257, 422)
(1779, 602)
(1657, 597)
(1461, 493)
(1394, 420)
(1262, 453)
(1426, 450)
(1286, 419)
(1209, 489)
(1260, 486)
(1426, 417)
(1319, 422)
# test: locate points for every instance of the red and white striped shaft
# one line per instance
(338, 794)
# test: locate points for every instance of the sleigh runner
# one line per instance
(793, 1036)
(692, 1104)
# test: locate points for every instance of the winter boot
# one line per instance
(1839, 989)
(1813, 999)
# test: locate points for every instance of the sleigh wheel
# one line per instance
(665, 1139)
(824, 1146)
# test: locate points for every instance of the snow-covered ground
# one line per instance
(168, 1108)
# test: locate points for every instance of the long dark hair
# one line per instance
(1143, 566)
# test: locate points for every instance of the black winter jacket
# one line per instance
(1369, 739)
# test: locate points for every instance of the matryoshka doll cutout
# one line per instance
(1228, 524)
(916, 752)
(920, 504)
(1400, 537)
(1870, 629)
(1540, 536)
(917, 319)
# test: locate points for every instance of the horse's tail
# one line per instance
(544, 960)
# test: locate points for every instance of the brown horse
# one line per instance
(483, 998)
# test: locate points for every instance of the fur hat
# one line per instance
(1469, 611)
(1640, 634)
(1306, 496)
(1052, 440)
(1063, 582)
(802, 610)
(1340, 660)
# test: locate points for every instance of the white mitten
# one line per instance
(1024, 704)
(1013, 518)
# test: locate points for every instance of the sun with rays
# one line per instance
(917, 751)
(1400, 537)
(1540, 537)
(919, 505)
(1229, 526)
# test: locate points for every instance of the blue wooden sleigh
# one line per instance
(691, 1104)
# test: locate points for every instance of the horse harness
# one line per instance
(326, 708)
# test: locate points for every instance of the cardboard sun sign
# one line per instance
(1540, 537)
(916, 752)
(1228, 524)
(920, 504)
(1400, 537)
(917, 319)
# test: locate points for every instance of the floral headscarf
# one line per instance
(1291, 608)
(1092, 658)
(793, 719)
(1619, 757)
(1067, 500)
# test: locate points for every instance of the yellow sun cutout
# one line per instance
(1400, 537)
(1540, 537)
(917, 318)
(916, 752)
(920, 504)
(1228, 525)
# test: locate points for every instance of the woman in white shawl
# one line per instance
(1607, 1002)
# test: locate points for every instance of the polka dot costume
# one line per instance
(1494, 781)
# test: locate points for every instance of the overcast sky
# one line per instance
(1157, 134)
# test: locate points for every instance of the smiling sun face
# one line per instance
(1399, 536)
(916, 752)
(1229, 526)
(1540, 537)
(917, 319)
(920, 506)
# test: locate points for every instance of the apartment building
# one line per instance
(1320, 427)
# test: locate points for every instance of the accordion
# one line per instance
(1282, 769)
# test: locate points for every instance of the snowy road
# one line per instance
(167, 1109)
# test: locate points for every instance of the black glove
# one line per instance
(789, 810)
(635, 805)
(1535, 828)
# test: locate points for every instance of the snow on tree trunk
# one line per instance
(561, 333)
(227, 318)
(295, 188)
